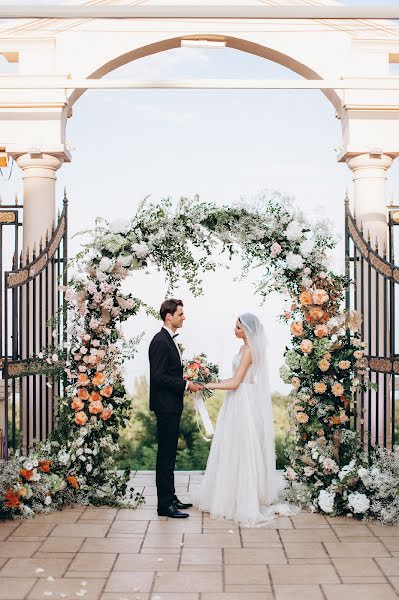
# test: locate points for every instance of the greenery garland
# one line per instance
(328, 470)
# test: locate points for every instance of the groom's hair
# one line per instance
(169, 306)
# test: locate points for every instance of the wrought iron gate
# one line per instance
(373, 292)
(32, 318)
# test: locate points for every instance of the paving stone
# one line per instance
(191, 525)
(212, 540)
(305, 550)
(34, 567)
(21, 549)
(147, 562)
(384, 530)
(134, 596)
(110, 545)
(139, 514)
(121, 581)
(390, 566)
(69, 587)
(357, 550)
(302, 574)
(80, 530)
(128, 527)
(15, 589)
(356, 567)
(357, 529)
(359, 592)
(392, 543)
(237, 596)
(298, 592)
(163, 540)
(247, 574)
(65, 544)
(189, 582)
(308, 535)
(27, 530)
(201, 556)
(254, 556)
(95, 561)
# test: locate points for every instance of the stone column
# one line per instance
(369, 178)
(38, 174)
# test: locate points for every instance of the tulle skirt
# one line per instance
(237, 483)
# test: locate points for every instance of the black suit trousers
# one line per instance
(168, 434)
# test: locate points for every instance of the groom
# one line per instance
(167, 388)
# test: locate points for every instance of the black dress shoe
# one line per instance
(172, 512)
(180, 505)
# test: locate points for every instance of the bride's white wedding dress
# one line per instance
(240, 482)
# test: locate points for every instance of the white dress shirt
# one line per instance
(172, 333)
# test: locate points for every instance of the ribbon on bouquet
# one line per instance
(201, 411)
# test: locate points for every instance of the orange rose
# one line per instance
(335, 420)
(321, 331)
(26, 474)
(96, 407)
(106, 414)
(83, 379)
(98, 379)
(22, 491)
(45, 466)
(71, 479)
(316, 313)
(305, 298)
(12, 499)
(107, 391)
(77, 404)
(80, 418)
(306, 346)
(94, 396)
(320, 296)
(296, 328)
(83, 394)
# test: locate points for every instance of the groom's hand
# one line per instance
(195, 387)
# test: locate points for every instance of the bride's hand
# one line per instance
(210, 386)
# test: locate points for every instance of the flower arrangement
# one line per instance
(200, 370)
(328, 470)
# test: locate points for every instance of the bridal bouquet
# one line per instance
(199, 370)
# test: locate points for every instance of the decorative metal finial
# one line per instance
(346, 197)
(13, 261)
(361, 227)
(41, 245)
(65, 200)
(376, 244)
(16, 200)
(368, 237)
(46, 238)
(27, 255)
(34, 250)
(21, 259)
(384, 252)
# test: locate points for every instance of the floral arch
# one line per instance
(324, 363)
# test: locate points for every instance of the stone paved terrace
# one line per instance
(110, 554)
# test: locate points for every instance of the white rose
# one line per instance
(364, 476)
(141, 250)
(28, 465)
(358, 502)
(120, 226)
(113, 242)
(326, 501)
(293, 261)
(293, 231)
(89, 468)
(106, 265)
(125, 261)
(47, 500)
(306, 247)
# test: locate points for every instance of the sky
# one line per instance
(222, 145)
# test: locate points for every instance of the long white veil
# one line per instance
(256, 339)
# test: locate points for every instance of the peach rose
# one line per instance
(295, 382)
(94, 396)
(83, 394)
(344, 364)
(305, 298)
(319, 387)
(106, 414)
(306, 346)
(302, 417)
(296, 328)
(320, 296)
(80, 418)
(321, 331)
(77, 404)
(337, 389)
(101, 353)
(107, 391)
(324, 365)
(327, 356)
(98, 379)
(96, 407)
(83, 379)
(344, 418)
(358, 354)
(316, 313)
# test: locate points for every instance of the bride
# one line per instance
(240, 482)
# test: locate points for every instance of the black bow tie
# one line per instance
(173, 336)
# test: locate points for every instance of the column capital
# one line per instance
(369, 161)
(36, 165)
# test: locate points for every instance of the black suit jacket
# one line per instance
(167, 385)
